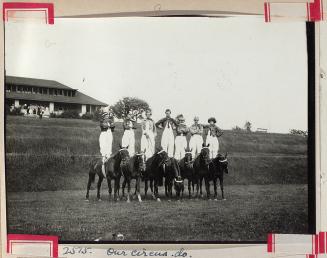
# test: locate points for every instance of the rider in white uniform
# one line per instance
(105, 138)
(196, 140)
(128, 139)
(149, 133)
(214, 133)
(180, 140)
(167, 138)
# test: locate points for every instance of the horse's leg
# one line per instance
(166, 187)
(128, 189)
(201, 179)
(152, 190)
(123, 186)
(221, 180)
(215, 188)
(207, 184)
(88, 187)
(156, 192)
(197, 187)
(138, 188)
(189, 187)
(145, 187)
(99, 186)
(116, 188)
(109, 187)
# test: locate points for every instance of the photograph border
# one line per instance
(313, 147)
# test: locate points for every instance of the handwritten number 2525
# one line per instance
(76, 250)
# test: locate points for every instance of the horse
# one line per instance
(187, 170)
(201, 168)
(154, 172)
(219, 166)
(113, 171)
(134, 169)
(173, 177)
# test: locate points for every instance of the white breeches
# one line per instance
(168, 141)
(128, 140)
(214, 146)
(105, 142)
(148, 144)
(180, 146)
(196, 142)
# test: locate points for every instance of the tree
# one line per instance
(248, 126)
(299, 132)
(237, 128)
(127, 104)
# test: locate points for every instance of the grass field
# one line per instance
(249, 213)
(46, 176)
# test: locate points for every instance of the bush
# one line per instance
(69, 114)
(16, 112)
(87, 116)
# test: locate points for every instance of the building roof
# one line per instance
(35, 82)
(79, 98)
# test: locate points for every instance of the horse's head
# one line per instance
(188, 159)
(205, 154)
(222, 163)
(178, 184)
(123, 156)
(140, 161)
(162, 157)
(178, 180)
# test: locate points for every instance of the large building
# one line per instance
(51, 96)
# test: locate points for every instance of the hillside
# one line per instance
(53, 154)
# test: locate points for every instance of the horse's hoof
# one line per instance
(224, 199)
(86, 199)
(99, 200)
(128, 201)
(140, 201)
(209, 199)
(158, 200)
(169, 200)
(216, 199)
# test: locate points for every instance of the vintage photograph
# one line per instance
(157, 129)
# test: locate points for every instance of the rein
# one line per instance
(223, 161)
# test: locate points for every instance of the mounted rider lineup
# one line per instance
(176, 160)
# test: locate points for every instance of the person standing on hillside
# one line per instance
(180, 140)
(105, 139)
(167, 138)
(196, 140)
(214, 132)
(128, 139)
(149, 133)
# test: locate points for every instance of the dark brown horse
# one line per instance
(173, 177)
(201, 168)
(218, 167)
(134, 169)
(113, 169)
(154, 172)
(187, 169)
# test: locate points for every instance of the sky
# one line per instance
(235, 69)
